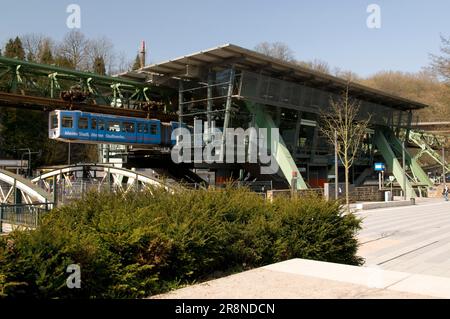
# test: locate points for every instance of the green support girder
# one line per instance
(420, 139)
(40, 80)
(416, 170)
(282, 155)
(383, 141)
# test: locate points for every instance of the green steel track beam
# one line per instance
(392, 162)
(282, 155)
(419, 139)
(49, 81)
(416, 170)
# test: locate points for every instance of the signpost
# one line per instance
(379, 167)
(392, 179)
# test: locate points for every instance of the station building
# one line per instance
(230, 86)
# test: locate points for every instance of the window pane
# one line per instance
(94, 123)
(83, 123)
(101, 125)
(114, 126)
(67, 122)
(128, 127)
(54, 121)
(153, 129)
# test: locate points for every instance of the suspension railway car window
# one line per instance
(54, 121)
(101, 125)
(83, 123)
(128, 127)
(94, 123)
(114, 126)
(153, 129)
(67, 122)
(142, 128)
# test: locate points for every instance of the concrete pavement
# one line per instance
(413, 239)
(301, 278)
(407, 252)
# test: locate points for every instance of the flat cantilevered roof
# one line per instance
(242, 58)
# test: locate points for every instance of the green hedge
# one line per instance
(140, 244)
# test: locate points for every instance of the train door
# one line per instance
(129, 128)
(83, 127)
(94, 129)
(113, 132)
(142, 132)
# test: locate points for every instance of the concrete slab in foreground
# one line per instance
(301, 278)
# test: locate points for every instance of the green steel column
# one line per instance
(392, 163)
(417, 171)
(226, 121)
(281, 155)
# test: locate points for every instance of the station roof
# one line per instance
(242, 58)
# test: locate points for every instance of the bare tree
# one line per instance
(73, 48)
(346, 74)
(343, 119)
(101, 48)
(441, 63)
(32, 44)
(316, 65)
(121, 63)
(276, 50)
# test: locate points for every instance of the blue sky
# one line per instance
(334, 31)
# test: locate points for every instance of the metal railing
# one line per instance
(26, 215)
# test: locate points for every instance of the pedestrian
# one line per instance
(445, 192)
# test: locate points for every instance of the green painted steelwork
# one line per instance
(282, 155)
(416, 170)
(392, 162)
(33, 79)
(422, 140)
(387, 143)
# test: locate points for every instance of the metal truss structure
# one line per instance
(39, 86)
(15, 188)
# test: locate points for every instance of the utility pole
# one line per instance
(68, 155)
(404, 169)
(443, 165)
(336, 167)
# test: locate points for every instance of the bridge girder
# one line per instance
(13, 184)
(109, 175)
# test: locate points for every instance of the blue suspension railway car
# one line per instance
(85, 127)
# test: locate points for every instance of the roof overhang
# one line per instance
(229, 54)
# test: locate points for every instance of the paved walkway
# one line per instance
(301, 278)
(413, 239)
(407, 252)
